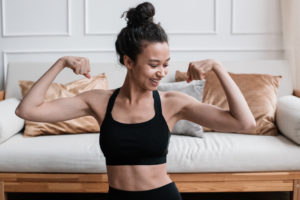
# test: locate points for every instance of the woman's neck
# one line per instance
(132, 92)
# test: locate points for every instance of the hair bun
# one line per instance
(140, 15)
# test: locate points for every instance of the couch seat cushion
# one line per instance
(216, 152)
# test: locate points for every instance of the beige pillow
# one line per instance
(259, 90)
(180, 76)
(56, 90)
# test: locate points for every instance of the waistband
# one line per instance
(171, 184)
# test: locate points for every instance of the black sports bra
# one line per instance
(144, 143)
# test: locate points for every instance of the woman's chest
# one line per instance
(135, 114)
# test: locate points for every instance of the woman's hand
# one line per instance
(33, 106)
(79, 65)
(198, 70)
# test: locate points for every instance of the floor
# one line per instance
(185, 196)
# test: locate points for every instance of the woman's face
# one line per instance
(151, 65)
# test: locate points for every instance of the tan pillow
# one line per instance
(260, 92)
(180, 76)
(56, 90)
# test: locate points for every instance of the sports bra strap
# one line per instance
(112, 101)
(156, 97)
(157, 103)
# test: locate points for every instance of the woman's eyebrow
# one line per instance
(156, 60)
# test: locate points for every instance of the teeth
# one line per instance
(154, 80)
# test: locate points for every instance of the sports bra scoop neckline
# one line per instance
(131, 124)
(142, 143)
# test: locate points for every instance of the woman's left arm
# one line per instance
(238, 117)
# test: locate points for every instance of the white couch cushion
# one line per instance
(288, 117)
(194, 89)
(216, 152)
(10, 123)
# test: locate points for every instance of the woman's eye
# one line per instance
(158, 65)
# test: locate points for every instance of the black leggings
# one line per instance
(166, 192)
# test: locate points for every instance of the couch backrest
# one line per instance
(116, 73)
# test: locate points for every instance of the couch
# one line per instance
(219, 162)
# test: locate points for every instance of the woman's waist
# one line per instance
(137, 177)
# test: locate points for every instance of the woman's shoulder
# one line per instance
(175, 98)
(98, 94)
(172, 95)
(97, 99)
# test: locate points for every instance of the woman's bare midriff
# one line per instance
(137, 177)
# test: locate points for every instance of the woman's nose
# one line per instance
(161, 72)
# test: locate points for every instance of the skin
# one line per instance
(134, 104)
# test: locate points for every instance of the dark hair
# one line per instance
(140, 28)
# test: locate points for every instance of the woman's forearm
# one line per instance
(35, 96)
(238, 106)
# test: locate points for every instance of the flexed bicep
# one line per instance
(59, 109)
(208, 115)
(33, 105)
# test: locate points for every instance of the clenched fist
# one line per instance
(79, 65)
(198, 70)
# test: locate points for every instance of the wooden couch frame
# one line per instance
(186, 182)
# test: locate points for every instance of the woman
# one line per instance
(136, 119)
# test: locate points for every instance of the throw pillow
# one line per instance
(259, 90)
(56, 90)
(195, 89)
(180, 76)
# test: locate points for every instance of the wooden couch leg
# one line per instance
(3, 195)
(296, 192)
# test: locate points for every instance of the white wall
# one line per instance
(44, 30)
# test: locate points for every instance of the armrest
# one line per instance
(10, 123)
(1, 95)
(288, 117)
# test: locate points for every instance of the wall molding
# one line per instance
(233, 32)
(5, 34)
(6, 53)
(212, 32)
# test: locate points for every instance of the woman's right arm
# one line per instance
(33, 107)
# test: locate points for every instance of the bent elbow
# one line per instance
(19, 113)
(22, 113)
(250, 125)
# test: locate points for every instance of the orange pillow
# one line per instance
(259, 90)
(56, 90)
(180, 76)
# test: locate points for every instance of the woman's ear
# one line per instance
(128, 62)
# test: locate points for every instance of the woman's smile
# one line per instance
(154, 82)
